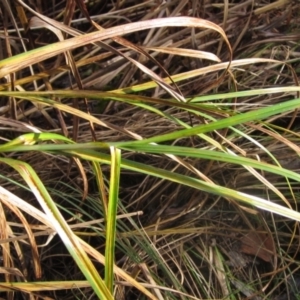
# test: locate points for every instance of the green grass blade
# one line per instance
(86, 149)
(111, 217)
(215, 156)
(254, 115)
(194, 183)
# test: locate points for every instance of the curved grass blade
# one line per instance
(22, 60)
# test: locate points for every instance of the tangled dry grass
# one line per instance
(178, 242)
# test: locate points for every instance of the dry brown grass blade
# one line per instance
(17, 125)
(149, 278)
(11, 77)
(271, 6)
(11, 271)
(101, 187)
(70, 62)
(130, 45)
(204, 71)
(6, 254)
(25, 24)
(47, 52)
(32, 241)
(69, 12)
(244, 30)
(83, 177)
(186, 53)
(174, 93)
(44, 230)
(220, 271)
(83, 9)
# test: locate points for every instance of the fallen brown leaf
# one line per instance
(258, 244)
